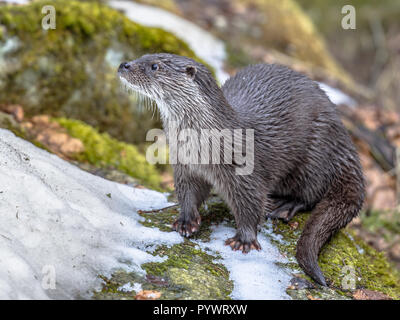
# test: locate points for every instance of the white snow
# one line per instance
(56, 217)
(128, 287)
(15, 1)
(336, 96)
(255, 275)
(204, 44)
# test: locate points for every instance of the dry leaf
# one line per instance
(148, 295)
(310, 297)
(365, 294)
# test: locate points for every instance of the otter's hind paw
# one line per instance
(186, 228)
(286, 211)
(245, 246)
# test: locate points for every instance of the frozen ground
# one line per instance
(57, 218)
(61, 225)
(255, 275)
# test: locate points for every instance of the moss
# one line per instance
(288, 29)
(71, 71)
(214, 212)
(385, 223)
(103, 151)
(191, 273)
(372, 270)
(187, 272)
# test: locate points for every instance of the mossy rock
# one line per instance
(103, 155)
(103, 151)
(345, 255)
(285, 27)
(189, 272)
(71, 71)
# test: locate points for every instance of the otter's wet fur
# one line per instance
(304, 158)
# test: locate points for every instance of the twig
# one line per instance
(156, 210)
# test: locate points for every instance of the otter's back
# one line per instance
(271, 88)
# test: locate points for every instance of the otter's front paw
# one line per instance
(186, 228)
(245, 246)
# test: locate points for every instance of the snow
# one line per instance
(54, 216)
(57, 220)
(256, 275)
(204, 44)
(336, 96)
(15, 1)
(128, 287)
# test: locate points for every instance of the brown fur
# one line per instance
(304, 158)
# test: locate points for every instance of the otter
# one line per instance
(304, 158)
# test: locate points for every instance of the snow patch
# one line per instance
(54, 216)
(256, 275)
(15, 1)
(336, 96)
(128, 287)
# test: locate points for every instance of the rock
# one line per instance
(71, 71)
(297, 283)
(364, 294)
(182, 275)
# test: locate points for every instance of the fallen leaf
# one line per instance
(15, 110)
(53, 136)
(365, 294)
(148, 295)
(293, 225)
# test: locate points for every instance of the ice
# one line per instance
(256, 275)
(56, 218)
(54, 215)
(336, 96)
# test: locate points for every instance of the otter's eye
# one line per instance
(154, 66)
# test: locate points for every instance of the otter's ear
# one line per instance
(191, 71)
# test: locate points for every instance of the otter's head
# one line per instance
(172, 81)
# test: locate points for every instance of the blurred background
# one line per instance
(58, 87)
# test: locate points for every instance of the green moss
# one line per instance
(187, 272)
(103, 151)
(372, 270)
(386, 223)
(215, 213)
(288, 29)
(191, 273)
(71, 71)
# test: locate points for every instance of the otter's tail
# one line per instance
(339, 206)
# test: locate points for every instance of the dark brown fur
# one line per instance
(304, 158)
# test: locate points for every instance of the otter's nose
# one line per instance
(124, 66)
